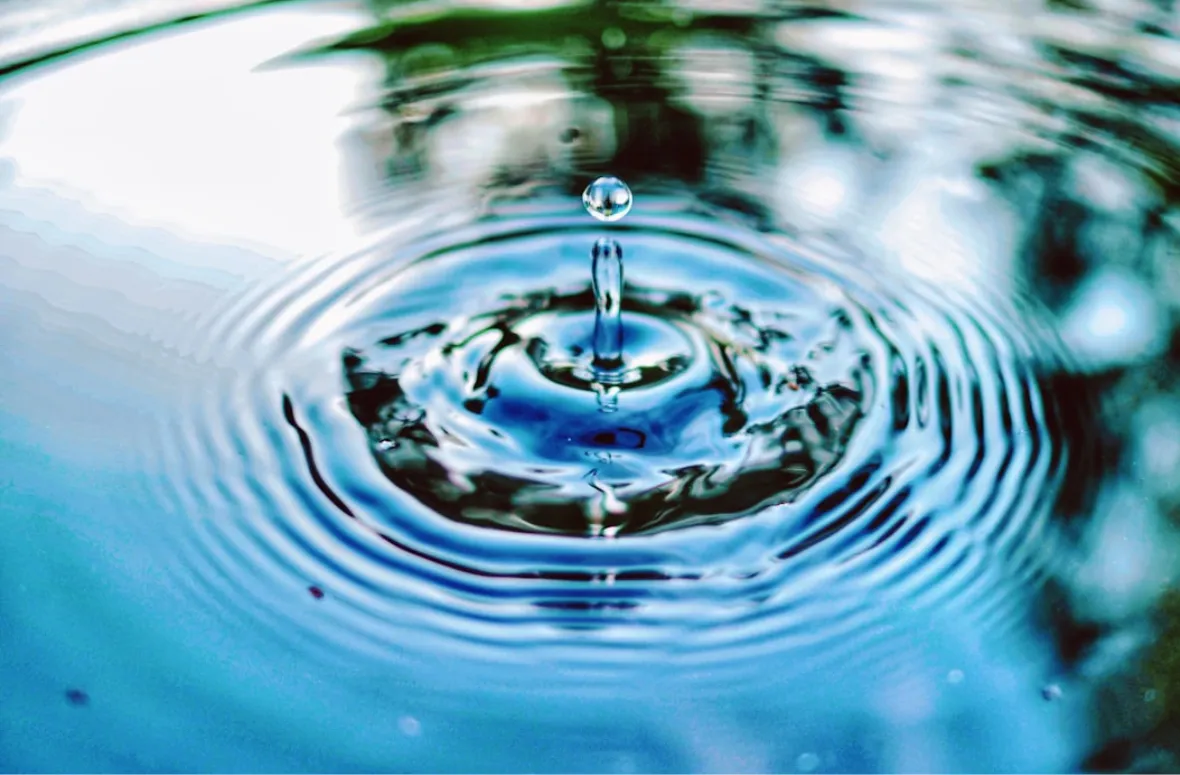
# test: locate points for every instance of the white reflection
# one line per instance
(1113, 320)
(938, 225)
(1132, 556)
(47, 26)
(159, 133)
(818, 186)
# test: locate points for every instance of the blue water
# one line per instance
(316, 455)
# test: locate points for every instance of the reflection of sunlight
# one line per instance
(942, 228)
(1132, 555)
(920, 238)
(816, 187)
(161, 134)
(1113, 319)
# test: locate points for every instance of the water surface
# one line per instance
(309, 463)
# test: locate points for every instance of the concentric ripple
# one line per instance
(497, 418)
(797, 445)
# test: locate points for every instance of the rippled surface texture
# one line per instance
(329, 443)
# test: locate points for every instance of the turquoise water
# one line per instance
(317, 456)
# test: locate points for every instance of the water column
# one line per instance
(608, 199)
(607, 271)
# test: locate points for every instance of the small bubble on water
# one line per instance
(409, 726)
(77, 697)
(807, 762)
(1051, 692)
(607, 199)
(955, 677)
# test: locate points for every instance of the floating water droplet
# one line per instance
(409, 726)
(955, 677)
(607, 199)
(1051, 692)
(807, 762)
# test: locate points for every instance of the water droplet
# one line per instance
(1051, 692)
(607, 199)
(955, 677)
(807, 762)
